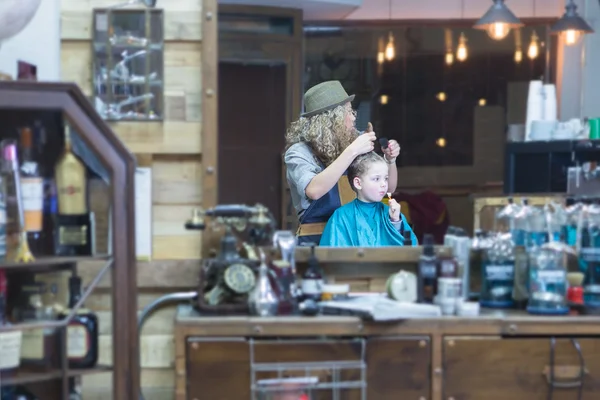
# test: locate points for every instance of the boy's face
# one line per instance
(373, 184)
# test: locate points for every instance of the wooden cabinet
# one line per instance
(398, 367)
(379, 368)
(497, 356)
(493, 368)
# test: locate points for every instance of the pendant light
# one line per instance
(534, 47)
(390, 49)
(461, 51)
(518, 46)
(449, 58)
(380, 52)
(498, 21)
(571, 25)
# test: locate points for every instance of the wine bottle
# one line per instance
(32, 192)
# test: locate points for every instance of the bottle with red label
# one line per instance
(82, 331)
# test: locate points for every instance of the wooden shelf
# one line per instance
(105, 147)
(51, 263)
(391, 254)
(27, 376)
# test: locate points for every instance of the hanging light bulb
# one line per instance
(498, 30)
(380, 51)
(571, 37)
(518, 56)
(534, 49)
(518, 46)
(449, 57)
(441, 96)
(482, 102)
(441, 142)
(571, 25)
(498, 20)
(390, 50)
(461, 51)
(383, 99)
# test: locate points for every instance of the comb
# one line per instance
(384, 143)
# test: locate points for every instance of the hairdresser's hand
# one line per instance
(362, 144)
(392, 151)
(394, 210)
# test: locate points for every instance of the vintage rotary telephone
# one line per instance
(226, 278)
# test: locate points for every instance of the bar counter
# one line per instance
(495, 356)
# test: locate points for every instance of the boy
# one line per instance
(366, 221)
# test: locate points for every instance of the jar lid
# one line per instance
(336, 288)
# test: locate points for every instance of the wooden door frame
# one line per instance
(243, 47)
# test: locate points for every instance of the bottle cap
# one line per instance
(9, 152)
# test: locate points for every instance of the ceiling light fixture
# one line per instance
(498, 21)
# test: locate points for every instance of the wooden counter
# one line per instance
(496, 356)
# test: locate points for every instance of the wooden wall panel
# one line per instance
(181, 18)
(172, 148)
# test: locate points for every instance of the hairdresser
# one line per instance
(320, 146)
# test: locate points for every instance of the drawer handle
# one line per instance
(570, 376)
(565, 376)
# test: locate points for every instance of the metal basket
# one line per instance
(302, 380)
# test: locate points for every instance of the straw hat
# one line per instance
(324, 97)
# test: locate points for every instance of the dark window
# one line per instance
(416, 98)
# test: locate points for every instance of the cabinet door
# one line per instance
(490, 368)
(398, 368)
(218, 369)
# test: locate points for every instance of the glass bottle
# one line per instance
(312, 279)
(10, 341)
(82, 331)
(14, 212)
(427, 272)
(32, 192)
(71, 184)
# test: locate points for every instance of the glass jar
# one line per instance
(498, 273)
(547, 283)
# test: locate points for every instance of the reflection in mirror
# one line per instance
(431, 87)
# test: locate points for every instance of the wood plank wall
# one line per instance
(173, 149)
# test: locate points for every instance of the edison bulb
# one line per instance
(571, 37)
(533, 51)
(441, 142)
(518, 56)
(390, 51)
(449, 58)
(441, 96)
(383, 99)
(482, 102)
(461, 51)
(498, 30)
(380, 57)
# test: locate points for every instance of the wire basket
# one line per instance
(331, 380)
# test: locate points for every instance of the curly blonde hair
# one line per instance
(326, 133)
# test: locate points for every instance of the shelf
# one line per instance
(119, 47)
(26, 376)
(51, 263)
